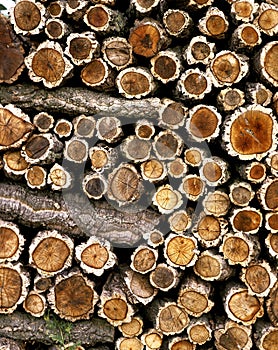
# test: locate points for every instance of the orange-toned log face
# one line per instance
(12, 128)
(27, 15)
(244, 306)
(135, 83)
(145, 40)
(251, 133)
(48, 64)
(73, 297)
(234, 338)
(8, 243)
(98, 17)
(51, 254)
(11, 287)
(175, 22)
(95, 256)
(247, 220)
(195, 84)
(271, 62)
(249, 35)
(203, 123)
(116, 309)
(94, 72)
(80, 48)
(226, 68)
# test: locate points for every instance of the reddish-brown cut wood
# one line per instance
(246, 37)
(181, 250)
(76, 150)
(143, 259)
(14, 283)
(209, 230)
(232, 335)
(114, 306)
(167, 145)
(271, 243)
(144, 129)
(166, 66)
(242, 307)
(63, 128)
(15, 127)
(43, 121)
(177, 23)
(133, 328)
(267, 20)
(94, 185)
(272, 305)
(259, 278)
(250, 132)
(82, 47)
(50, 253)
(266, 63)
(172, 114)
(271, 222)
(258, 93)
(55, 28)
(214, 24)
(75, 8)
(267, 194)
(167, 199)
(176, 343)
(199, 331)
(239, 248)
(244, 10)
(55, 8)
(199, 50)
(135, 82)
(28, 17)
(193, 187)
(100, 158)
(254, 172)
(194, 156)
(266, 336)
(171, 319)
(193, 84)
(73, 296)
(95, 256)
(11, 241)
(211, 266)
(194, 296)
(14, 164)
(98, 75)
(203, 122)
(164, 277)
(229, 99)
(147, 38)
(241, 193)
(104, 20)
(228, 68)
(11, 53)
(47, 64)
(35, 304)
(36, 177)
(129, 343)
(246, 220)
(272, 162)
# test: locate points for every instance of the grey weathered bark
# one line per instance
(77, 100)
(84, 218)
(22, 326)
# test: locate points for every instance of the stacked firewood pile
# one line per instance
(139, 163)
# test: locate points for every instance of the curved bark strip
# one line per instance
(73, 101)
(84, 218)
(29, 328)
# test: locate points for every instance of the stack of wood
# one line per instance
(139, 175)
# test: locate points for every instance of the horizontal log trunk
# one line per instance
(78, 100)
(28, 328)
(37, 209)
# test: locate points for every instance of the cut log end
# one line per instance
(171, 319)
(35, 304)
(133, 328)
